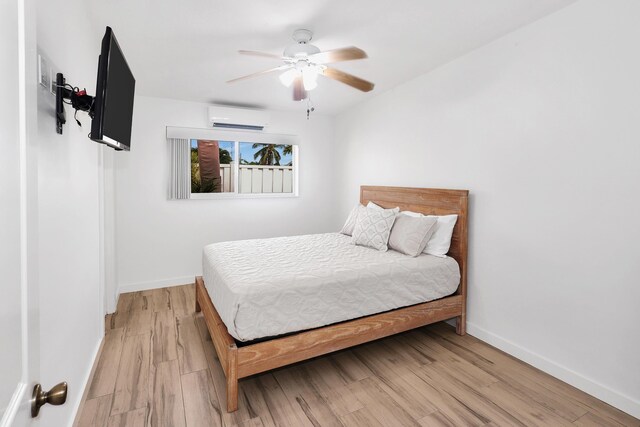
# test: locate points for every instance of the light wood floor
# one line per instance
(158, 367)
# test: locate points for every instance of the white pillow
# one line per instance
(410, 235)
(347, 228)
(413, 214)
(372, 205)
(373, 227)
(440, 241)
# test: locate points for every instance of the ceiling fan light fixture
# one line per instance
(288, 77)
(310, 78)
(304, 62)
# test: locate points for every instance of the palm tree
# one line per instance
(196, 182)
(268, 154)
(225, 157)
(195, 171)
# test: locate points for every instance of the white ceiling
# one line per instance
(188, 49)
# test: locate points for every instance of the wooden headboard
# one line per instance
(429, 201)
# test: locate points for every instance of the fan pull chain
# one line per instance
(310, 108)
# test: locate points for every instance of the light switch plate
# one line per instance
(44, 73)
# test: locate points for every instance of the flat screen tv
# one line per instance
(113, 104)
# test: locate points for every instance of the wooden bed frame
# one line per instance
(243, 361)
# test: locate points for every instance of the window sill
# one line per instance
(231, 196)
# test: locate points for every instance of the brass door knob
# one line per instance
(56, 396)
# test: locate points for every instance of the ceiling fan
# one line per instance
(304, 62)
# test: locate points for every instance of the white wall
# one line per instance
(68, 211)
(543, 126)
(159, 241)
(10, 313)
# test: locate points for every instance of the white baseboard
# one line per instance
(594, 388)
(85, 382)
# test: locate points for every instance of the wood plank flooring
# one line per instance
(158, 367)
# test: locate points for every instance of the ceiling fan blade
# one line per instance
(299, 93)
(348, 79)
(337, 55)
(263, 54)
(270, 70)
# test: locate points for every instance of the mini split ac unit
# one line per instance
(237, 118)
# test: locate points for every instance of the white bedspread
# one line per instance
(269, 287)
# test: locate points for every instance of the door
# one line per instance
(18, 327)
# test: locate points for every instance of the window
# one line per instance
(226, 168)
(265, 168)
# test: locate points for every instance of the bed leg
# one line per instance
(232, 380)
(232, 395)
(198, 284)
(461, 324)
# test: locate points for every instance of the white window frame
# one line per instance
(238, 136)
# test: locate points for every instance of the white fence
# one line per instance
(258, 179)
(226, 173)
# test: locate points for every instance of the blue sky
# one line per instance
(246, 152)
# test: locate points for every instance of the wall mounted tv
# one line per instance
(113, 103)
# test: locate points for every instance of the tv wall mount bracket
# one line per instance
(78, 99)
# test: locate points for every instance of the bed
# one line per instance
(284, 300)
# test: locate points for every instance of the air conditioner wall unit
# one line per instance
(237, 118)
